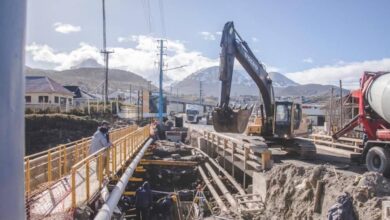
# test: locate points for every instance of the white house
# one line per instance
(42, 92)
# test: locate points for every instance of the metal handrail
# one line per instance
(117, 156)
(51, 165)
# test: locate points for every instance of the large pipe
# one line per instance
(107, 209)
(221, 186)
(212, 190)
(221, 169)
(378, 96)
(12, 26)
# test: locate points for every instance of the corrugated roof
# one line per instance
(44, 84)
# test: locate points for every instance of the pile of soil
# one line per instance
(291, 190)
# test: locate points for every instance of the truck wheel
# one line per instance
(378, 160)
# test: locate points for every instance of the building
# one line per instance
(315, 113)
(42, 93)
(80, 97)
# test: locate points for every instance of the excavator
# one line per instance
(278, 119)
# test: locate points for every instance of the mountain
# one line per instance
(242, 84)
(88, 63)
(92, 78)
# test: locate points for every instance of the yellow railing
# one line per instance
(88, 174)
(43, 168)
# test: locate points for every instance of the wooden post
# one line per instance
(318, 196)
(266, 160)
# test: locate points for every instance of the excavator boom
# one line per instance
(235, 120)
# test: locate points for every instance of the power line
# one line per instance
(106, 53)
(149, 15)
(162, 18)
(146, 9)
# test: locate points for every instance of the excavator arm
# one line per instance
(235, 120)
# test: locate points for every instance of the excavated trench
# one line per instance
(178, 190)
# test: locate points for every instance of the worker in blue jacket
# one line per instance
(143, 201)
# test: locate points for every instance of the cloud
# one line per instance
(66, 28)
(132, 38)
(349, 73)
(207, 35)
(255, 39)
(139, 59)
(308, 60)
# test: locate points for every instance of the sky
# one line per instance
(310, 41)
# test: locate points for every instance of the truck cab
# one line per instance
(194, 113)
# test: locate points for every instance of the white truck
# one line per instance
(194, 113)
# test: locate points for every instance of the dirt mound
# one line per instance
(291, 191)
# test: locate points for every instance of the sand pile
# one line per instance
(291, 192)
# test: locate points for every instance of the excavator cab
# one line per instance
(287, 117)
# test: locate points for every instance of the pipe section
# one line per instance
(221, 186)
(212, 190)
(221, 169)
(12, 26)
(107, 209)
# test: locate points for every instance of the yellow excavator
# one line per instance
(278, 120)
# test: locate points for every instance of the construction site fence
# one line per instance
(46, 167)
(237, 151)
(344, 143)
(88, 175)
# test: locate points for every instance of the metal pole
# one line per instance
(341, 105)
(12, 26)
(331, 112)
(212, 190)
(227, 175)
(221, 186)
(107, 209)
(160, 102)
(200, 92)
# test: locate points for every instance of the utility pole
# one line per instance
(331, 112)
(105, 53)
(161, 64)
(341, 105)
(130, 94)
(200, 92)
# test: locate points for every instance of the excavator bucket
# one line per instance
(231, 120)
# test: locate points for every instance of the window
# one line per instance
(56, 99)
(28, 99)
(70, 101)
(43, 99)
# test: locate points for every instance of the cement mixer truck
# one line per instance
(374, 116)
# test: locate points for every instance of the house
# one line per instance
(80, 96)
(315, 112)
(42, 92)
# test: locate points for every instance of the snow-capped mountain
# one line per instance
(242, 83)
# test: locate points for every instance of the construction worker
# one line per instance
(143, 201)
(100, 140)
